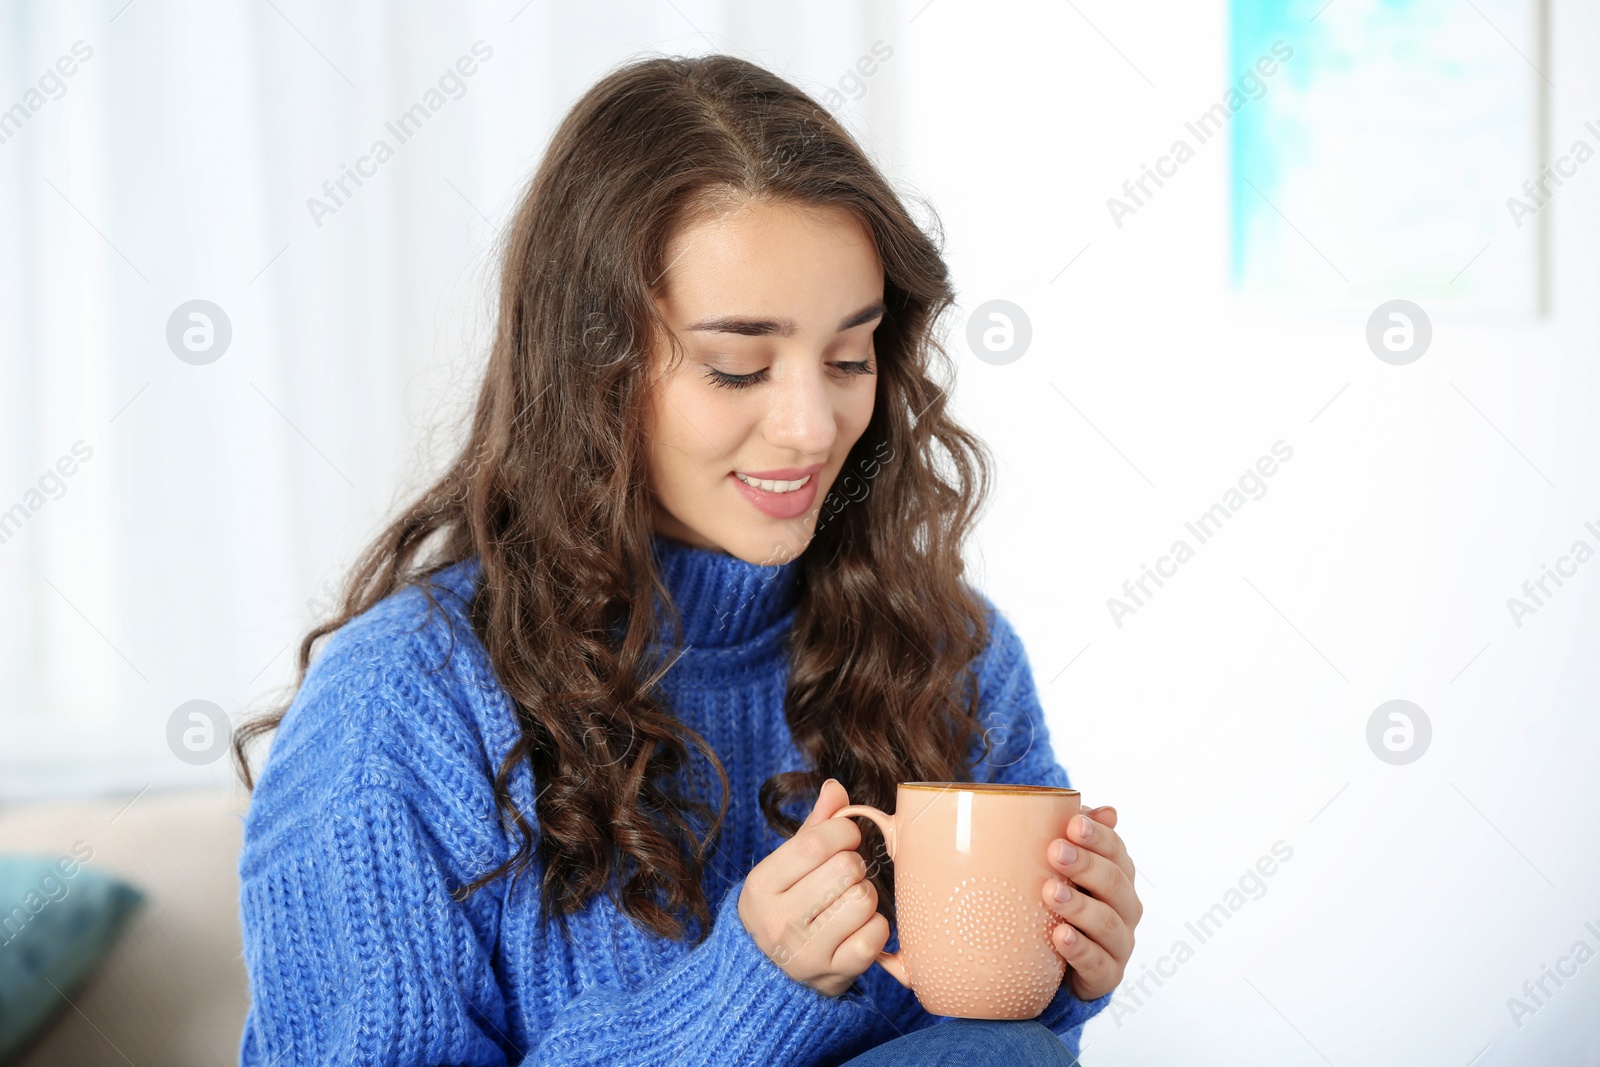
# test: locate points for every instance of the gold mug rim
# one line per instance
(991, 787)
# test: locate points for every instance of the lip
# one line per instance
(787, 474)
(790, 505)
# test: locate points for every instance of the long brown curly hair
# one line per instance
(550, 491)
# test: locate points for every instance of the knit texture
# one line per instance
(378, 797)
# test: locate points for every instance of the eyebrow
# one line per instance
(780, 327)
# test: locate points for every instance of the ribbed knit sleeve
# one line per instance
(366, 959)
(1021, 754)
(359, 954)
(724, 1002)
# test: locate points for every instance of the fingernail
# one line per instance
(1065, 853)
(1085, 827)
(1063, 892)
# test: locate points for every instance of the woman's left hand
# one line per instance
(1098, 901)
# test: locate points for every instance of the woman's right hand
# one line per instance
(809, 905)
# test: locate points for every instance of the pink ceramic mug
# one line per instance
(969, 874)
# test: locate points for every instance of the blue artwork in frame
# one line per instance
(1395, 153)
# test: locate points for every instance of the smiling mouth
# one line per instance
(773, 485)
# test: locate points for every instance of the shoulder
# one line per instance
(1003, 655)
(400, 698)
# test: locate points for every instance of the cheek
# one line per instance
(695, 435)
(857, 412)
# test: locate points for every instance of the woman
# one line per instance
(560, 779)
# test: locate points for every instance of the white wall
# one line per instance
(1230, 713)
(1226, 715)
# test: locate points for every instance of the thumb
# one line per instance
(830, 798)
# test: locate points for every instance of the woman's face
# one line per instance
(774, 306)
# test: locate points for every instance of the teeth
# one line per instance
(773, 487)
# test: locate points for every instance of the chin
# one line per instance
(770, 544)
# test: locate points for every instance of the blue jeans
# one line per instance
(970, 1043)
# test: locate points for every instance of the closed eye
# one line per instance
(744, 381)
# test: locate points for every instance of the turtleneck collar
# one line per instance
(721, 599)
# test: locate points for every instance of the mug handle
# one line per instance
(889, 961)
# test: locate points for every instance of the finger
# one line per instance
(830, 798)
(810, 899)
(1092, 971)
(842, 918)
(1105, 814)
(1094, 835)
(1103, 879)
(857, 951)
(1094, 919)
(810, 848)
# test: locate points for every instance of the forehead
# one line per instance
(799, 261)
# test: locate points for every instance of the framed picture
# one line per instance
(1397, 150)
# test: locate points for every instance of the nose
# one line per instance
(802, 417)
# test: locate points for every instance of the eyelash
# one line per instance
(744, 381)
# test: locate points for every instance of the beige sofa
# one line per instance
(173, 991)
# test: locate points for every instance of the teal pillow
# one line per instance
(58, 920)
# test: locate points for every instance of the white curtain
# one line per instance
(205, 152)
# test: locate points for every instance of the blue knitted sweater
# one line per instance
(377, 797)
